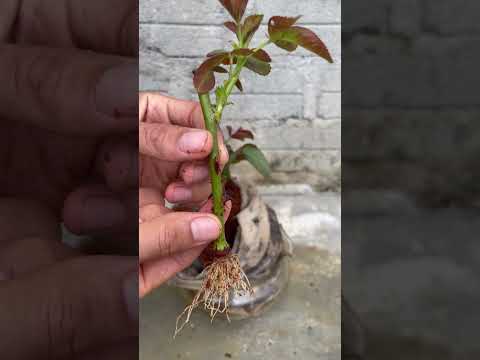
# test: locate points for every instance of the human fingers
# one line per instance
(117, 162)
(179, 192)
(197, 171)
(29, 254)
(107, 26)
(153, 273)
(150, 205)
(159, 108)
(67, 90)
(176, 232)
(96, 209)
(173, 143)
(70, 307)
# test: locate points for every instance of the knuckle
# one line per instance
(166, 237)
(31, 73)
(63, 319)
(155, 138)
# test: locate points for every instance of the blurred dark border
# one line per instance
(410, 176)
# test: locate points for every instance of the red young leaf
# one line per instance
(216, 52)
(236, 8)
(277, 23)
(220, 70)
(262, 55)
(251, 25)
(242, 134)
(242, 52)
(310, 41)
(239, 85)
(226, 61)
(230, 25)
(289, 37)
(203, 79)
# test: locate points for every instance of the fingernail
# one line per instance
(193, 141)
(117, 91)
(180, 193)
(205, 229)
(130, 294)
(103, 212)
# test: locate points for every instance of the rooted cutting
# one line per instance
(223, 273)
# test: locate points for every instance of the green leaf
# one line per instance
(255, 157)
(250, 26)
(203, 78)
(260, 67)
(236, 8)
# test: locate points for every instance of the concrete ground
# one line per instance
(304, 322)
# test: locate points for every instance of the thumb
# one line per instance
(69, 308)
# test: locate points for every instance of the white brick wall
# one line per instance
(285, 108)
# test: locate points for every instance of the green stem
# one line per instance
(214, 171)
(212, 121)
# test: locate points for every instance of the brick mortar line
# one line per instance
(221, 25)
(337, 25)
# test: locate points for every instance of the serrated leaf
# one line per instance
(255, 157)
(219, 69)
(250, 26)
(239, 85)
(260, 67)
(230, 25)
(262, 55)
(236, 8)
(310, 41)
(242, 134)
(204, 79)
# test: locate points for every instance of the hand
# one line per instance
(69, 79)
(69, 76)
(174, 148)
(56, 303)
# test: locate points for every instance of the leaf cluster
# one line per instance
(247, 152)
(282, 31)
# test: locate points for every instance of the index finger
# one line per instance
(108, 26)
(158, 108)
